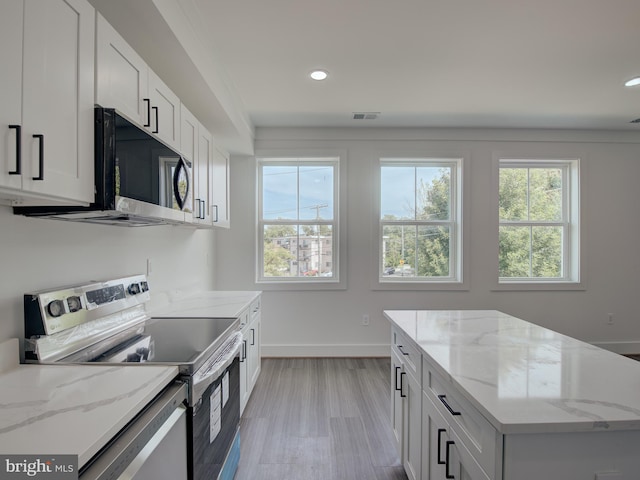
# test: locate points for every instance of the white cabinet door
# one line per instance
(11, 22)
(121, 75)
(189, 126)
(57, 105)
(244, 371)
(412, 427)
(435, 435)
(397, 404)
(165, 111)
(220, 202)
(205, 170)
(253, 349)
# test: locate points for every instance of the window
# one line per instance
(298, 219)
(420, 220)
(538, 205)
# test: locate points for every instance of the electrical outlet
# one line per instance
(365, 319)
(609, 318)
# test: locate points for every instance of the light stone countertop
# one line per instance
(525, 378)
(204, 304)
(70, 409)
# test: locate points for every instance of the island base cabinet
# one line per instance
(573, 456)
(444, 455)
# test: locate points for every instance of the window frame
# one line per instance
(458, 270)
(338, 242)
(572, 251)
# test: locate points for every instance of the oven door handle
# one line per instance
(212, 369)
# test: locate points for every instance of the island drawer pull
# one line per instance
(402, 394)
(448, 407)
(402, 351)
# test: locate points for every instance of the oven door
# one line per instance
(216, 419)
(152, 446)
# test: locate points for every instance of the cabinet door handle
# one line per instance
(401, 377)
(216, 219)
(447, 459)
(448, 407)
(18, 170)
(398, 388)
(402, 351)
(204, 209)
(253, 336)
(199, 202)
(148, 102)
(40, 138)
(244, 351)
(440, 432)
(155, 109)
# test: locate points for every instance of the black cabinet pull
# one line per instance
(244, 351)
(398, 387)
(253, 336)
(156, 110)
(440, 432)
(148, 102)
(451, 410)
(402, 351)
(18, 170)
(199, 214)
(40, 138)
(204, 209)
(447, 458)
(402, 394)
(216, 219)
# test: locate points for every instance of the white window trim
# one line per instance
(574, 243)
(459, 251)
(339, 279)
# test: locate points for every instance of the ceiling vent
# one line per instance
(365, 115)
(637, 120)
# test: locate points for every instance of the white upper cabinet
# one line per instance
(196, 144)
(121, 75)
(165, 111)
(11, 23)
(126, 83)
(47, 84)
(220, 205)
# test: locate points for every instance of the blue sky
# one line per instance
(280, 185)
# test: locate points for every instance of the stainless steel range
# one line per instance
(106, 322)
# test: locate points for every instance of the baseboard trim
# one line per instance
(619, 347)
(373, 350)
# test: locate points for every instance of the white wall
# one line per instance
(329, 323)
(38, 254)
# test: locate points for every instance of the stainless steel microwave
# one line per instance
(138, 179)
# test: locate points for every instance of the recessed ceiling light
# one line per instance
(319, 75)
(633, 82)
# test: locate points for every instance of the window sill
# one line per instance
(538, 286)
(419, 286)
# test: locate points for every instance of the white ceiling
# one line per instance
(432, 63)
(242, 64)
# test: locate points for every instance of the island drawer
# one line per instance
(476, 433)
(408, 351)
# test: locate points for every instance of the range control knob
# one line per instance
(134, 289)
(74, 303)
(55, 308)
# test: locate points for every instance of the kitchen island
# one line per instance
(497, 397)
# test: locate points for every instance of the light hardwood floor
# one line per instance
(319, 419)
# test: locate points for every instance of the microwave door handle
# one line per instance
(176, 183)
